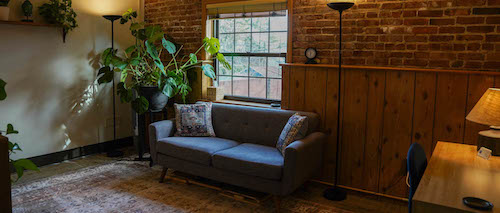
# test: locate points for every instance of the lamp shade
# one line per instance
(487, 110)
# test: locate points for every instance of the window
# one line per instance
(254, 47)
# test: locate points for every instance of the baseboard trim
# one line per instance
(362, 191)
(61, 156)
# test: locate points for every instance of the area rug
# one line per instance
(126, 186)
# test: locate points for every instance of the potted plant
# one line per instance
(20, 164)
(143, 72)
(60, 12)
(4, 10)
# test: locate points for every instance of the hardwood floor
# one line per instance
(310, 192)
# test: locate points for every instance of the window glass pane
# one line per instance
(223, 71)
(226, 25)
(243, 43)
(258, 66)
(260, 42)
(240, 66)
(226, 43)
(240, 86)
(278, 42)
(274, 89)
(273, 68)
(279, 23)
(260, 24)
(226, 84)
(258, 88)
(243, 24)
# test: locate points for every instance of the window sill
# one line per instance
(242, 103)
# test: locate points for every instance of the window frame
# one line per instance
(217, 34)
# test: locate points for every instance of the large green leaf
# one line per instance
(14, 146)
(125, 94)
(136, 26)
(130, 49)
(220, 57)
(107, 56)
(159, 64)
(208, 70)
(193, 58)
(169, 46)
(168, 90)
(140, 105)
(212, 45)
(11, 130)
(152, 51)
(3, 94)
(22, 164)
(118, 63)
(106, 75)
(153, 33)
(123, 75)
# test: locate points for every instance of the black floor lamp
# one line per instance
(112, 151)
(335, 193)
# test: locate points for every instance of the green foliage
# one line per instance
(4, 3)
(21, 164)
(61, 13)
(142, 64)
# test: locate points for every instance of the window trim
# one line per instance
(216, 33)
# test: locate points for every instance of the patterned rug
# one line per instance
(126, 186)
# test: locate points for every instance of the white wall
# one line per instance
(53, 98)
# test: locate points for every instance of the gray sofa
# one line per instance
(244, 152)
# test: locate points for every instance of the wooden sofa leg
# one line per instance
(277, 203)
(163, 173)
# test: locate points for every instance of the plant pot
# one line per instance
(4, 13)
(157, 100)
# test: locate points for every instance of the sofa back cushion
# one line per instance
(254, 125)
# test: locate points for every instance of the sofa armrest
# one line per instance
(159, 130)
(302, 159)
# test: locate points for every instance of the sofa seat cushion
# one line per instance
(194, 149)
(251, 159)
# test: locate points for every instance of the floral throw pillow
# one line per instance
(294, 130)
(194, 120)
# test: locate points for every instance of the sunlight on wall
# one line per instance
(104, 7)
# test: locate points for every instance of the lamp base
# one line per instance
(335, 193)
(491, 140)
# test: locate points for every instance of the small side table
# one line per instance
(143, 123)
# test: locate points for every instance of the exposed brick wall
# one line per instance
(180, 19)
(455, 34)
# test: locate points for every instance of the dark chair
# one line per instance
(416, 164)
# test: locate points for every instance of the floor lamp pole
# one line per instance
(335, 193)
(113, 152)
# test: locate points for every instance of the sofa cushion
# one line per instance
(295, 129)
(194, 149)
(251, 159)
(194, 120)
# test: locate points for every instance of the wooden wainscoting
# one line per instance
(383, 111)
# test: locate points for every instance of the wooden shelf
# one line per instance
(27, 23)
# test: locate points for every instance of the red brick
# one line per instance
(441, 38)
(470, 20)
(492, 65)
(416, 63)
(392, 6)
(471, 56)
(493, 20)
(492, 38)
(425, 30)
(480, 29)
(451, 29)
(456, 12)
(421, 55)
(469, 37)
(470, 2)
(457, 64)
(430, 13)
(447, 21)
(416, 38)
(409, 13)
(493, 2)
(415, 4)
(473, 46)
(439, 63)
(367, 6)
(419, 21)
(443, 55)
(493, 57)
(458, 47)
(473, 64)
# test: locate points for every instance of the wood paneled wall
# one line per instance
(383, 111)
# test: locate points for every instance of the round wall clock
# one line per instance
(311, 54)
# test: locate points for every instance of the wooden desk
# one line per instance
(455, 171)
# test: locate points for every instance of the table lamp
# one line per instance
(487, 112)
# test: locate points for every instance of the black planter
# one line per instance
(157, 100)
